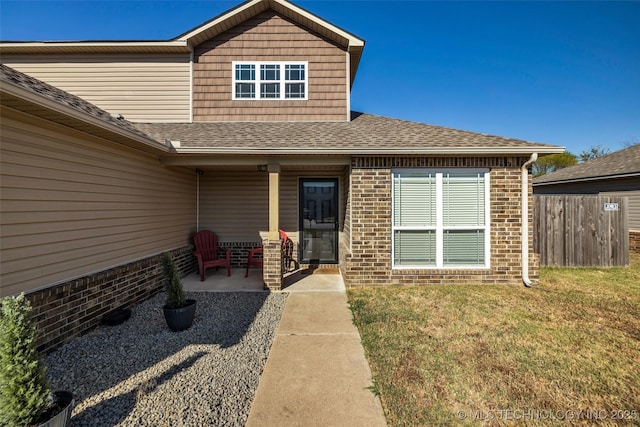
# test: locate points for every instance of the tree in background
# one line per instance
(553, 162)
(593, 152)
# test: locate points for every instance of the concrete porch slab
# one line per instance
(218, 281)
(303, 280)
(300, 280)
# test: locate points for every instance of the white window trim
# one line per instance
(258, 81)
(439, 227)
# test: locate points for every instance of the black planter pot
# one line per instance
(60, 414)
(116, 317)
(179, 319)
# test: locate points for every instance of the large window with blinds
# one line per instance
(440, 218)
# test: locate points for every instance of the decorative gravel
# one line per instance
(141, 373)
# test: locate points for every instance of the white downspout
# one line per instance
(525, 219)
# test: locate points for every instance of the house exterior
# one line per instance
(114, 152)
(616, 174)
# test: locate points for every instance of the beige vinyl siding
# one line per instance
(141, 88)
(235, 203)
(73, 204)
(269, 37)
(633, 206)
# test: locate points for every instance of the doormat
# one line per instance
(321, 271)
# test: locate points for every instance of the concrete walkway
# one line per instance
(316, 373)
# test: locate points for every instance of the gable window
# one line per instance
(440, 218)
(245, 78)
(270, 80)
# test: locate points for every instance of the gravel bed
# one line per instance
(141, 373)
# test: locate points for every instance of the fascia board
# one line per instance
(353, 40)
(217, 21)
(20, 47)
(587, 179)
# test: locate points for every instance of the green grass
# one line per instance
(505, 355)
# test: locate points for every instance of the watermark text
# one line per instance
(548, 414)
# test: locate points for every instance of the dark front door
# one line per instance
(318, 220)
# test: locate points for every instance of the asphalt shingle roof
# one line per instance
(365, 132)
(623, 162)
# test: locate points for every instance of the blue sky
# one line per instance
(564, 73)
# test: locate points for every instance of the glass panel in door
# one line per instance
(318, 221)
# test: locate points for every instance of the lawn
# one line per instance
(564, 351)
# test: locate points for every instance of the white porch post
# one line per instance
(272, 255)
(274, 201)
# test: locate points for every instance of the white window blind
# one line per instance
(463, 198)
(416, 200)
(415, 247)
(440, 218)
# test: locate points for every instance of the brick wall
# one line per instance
(369, 260)
(634, 241)
(272, 264)
(239, 252)
(70, 309)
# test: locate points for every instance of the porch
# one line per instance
(306, 279)
(246, 202)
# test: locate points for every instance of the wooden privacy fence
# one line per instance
(581, 230)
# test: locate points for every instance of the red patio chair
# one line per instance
(287, 254)
(252, 260)
(206, 252)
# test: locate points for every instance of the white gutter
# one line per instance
(525, 220)
(475, 152)
(92, 44)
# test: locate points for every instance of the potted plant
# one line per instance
(178, 311)
(25, 392)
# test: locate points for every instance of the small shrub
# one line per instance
(172, 283)
(24, 387)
